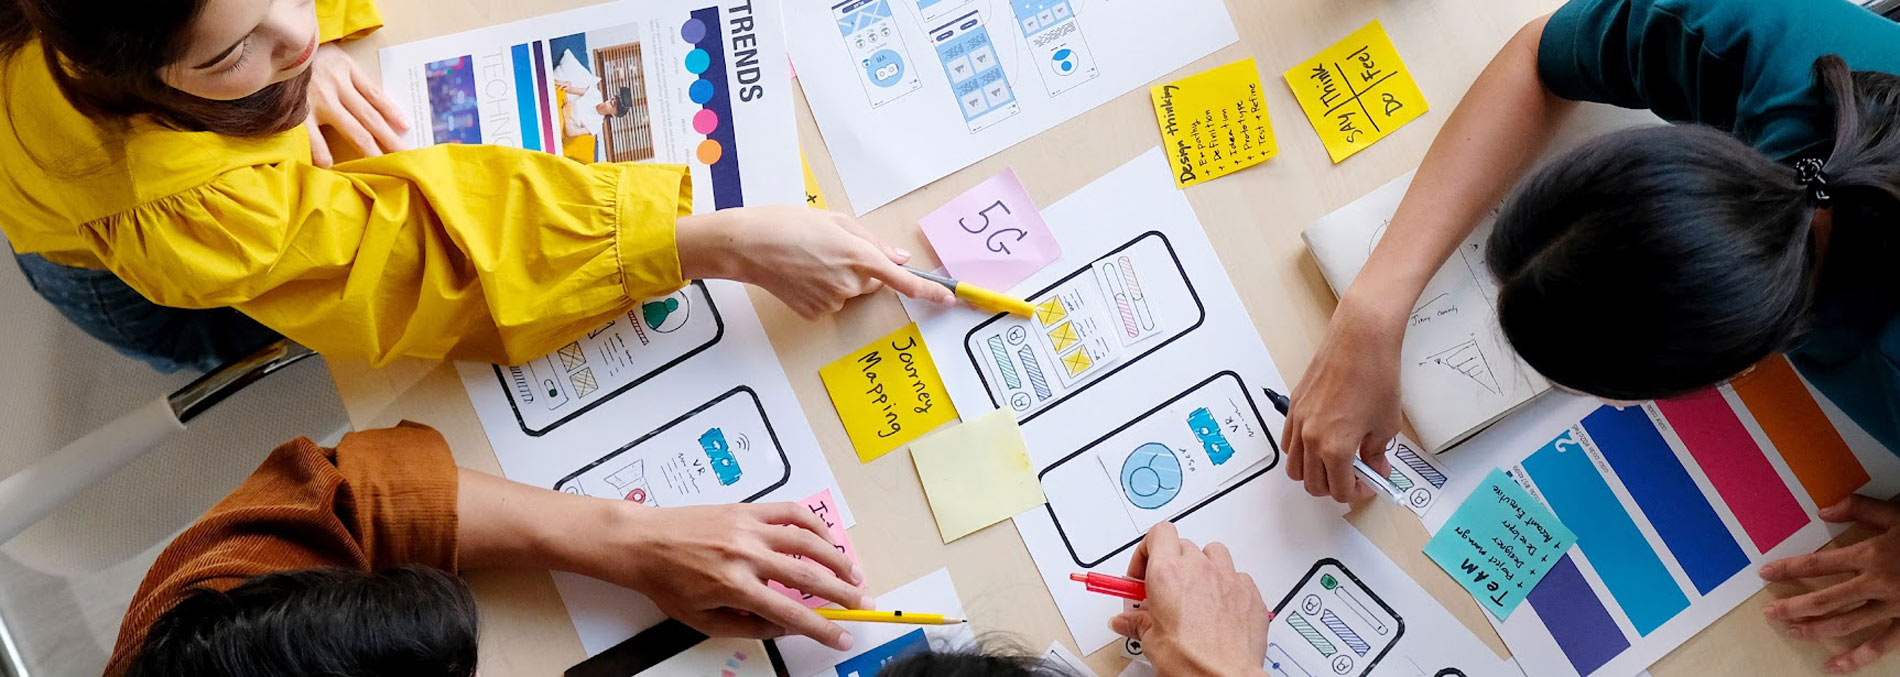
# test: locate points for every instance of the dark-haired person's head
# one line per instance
(1657, 261)
(238, 67)
(987, 663)
(408, 622)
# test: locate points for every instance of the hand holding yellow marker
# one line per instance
(983, 299)
(854, 616)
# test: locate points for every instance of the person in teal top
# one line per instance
(1662, 260)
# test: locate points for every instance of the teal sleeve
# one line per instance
(1746, 67)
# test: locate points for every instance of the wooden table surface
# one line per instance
(1254, 219)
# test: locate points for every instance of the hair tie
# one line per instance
(1811, 173)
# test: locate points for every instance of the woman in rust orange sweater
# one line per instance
(281, 575)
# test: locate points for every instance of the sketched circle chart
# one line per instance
(1017, 335)
(1342, 664)
(1020, 402)
(667, 313)
(1420, 498)
(1311, 605)
(885, 68)
(1151, 477)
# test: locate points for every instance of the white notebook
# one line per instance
(1457, 373)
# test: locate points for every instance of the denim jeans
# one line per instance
(168, 339)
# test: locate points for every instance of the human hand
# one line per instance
(1347, 404)
(813, 260)
(708, 566)
(351, 103)
(1866, 594)
(1201, 617)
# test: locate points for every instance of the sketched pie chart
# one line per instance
(1151, 477)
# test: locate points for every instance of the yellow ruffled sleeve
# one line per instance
(458, 251)
(346, 19)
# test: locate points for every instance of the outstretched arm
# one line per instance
(1346, 405)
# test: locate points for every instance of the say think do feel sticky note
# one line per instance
(1356, 91)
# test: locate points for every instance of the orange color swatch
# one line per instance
(1802, 433)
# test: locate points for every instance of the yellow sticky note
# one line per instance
(1356, 92)
(814, 195)
(887, 393)
(1215, 123)
(976, 474)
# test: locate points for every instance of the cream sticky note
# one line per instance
(992, 235)
(1214, 123)
(814, 195)
(887, 393)
(1500, 543)
(1356, 92)
(822, 505)
(976, 474)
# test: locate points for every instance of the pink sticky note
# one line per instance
(822, 505)
(992, 236)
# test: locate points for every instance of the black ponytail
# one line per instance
(1656, 261)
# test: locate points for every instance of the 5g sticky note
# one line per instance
(888, 393)
(1356, 92)
(822, 505)
(976, 474)
(992, 235)
(1214, 123)
(1500, 543)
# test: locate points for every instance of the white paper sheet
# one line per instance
(1060, 656)
(1457, 373)
(541, 83)
(877, 642)
(681, 401)
(879, 75)
(1528, 634)
(1193, 388)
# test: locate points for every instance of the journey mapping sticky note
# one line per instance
(1500, 543)
(887, 393)
(1214, 123)
(991, 236)
(1356, 92)
(822, 505)
(976, 474)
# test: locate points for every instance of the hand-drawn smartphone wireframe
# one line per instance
(724, 451)
(1340, 627)
(1177, 458)
(877, 50)
(936, 10)
(656, 335)
(982, 89)
(1056, 44)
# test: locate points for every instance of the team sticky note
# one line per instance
(822, 505)
(1356, 92)
(1500, 543)
(991, 236)
(1214, 123)
(976, 474)
(887, 393)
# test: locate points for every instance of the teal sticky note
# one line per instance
(1499, 544)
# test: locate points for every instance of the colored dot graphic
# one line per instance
(702, 92)
(705, 121)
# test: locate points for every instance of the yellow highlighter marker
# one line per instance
(983, 299)
(853, 616)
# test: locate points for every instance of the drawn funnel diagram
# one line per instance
(1468, 360)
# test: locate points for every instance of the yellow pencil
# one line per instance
(853, 616)
(984, 299)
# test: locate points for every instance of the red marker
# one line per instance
(1113, 586)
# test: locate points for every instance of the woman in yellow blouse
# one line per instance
(156, 142)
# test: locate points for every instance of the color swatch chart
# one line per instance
(1674, 504)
